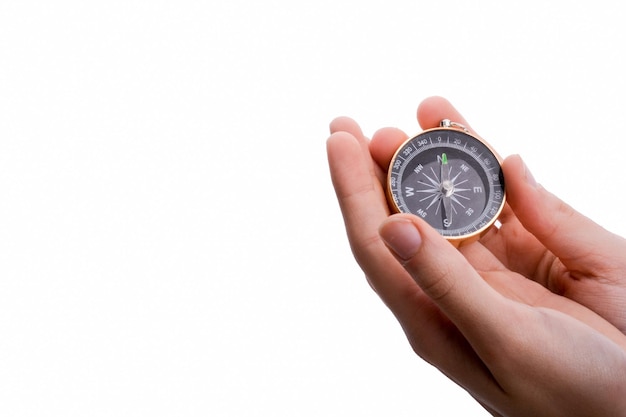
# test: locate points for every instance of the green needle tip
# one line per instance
(444, 158)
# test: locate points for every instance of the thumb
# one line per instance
(444, 275)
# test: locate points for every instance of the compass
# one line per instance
(451, 179)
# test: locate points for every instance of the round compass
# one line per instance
(451, 179)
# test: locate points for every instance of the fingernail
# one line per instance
(402, 237)
(528, 176)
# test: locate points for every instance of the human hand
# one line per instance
(529, 320)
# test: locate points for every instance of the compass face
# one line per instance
(449, 178)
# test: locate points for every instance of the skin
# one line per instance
(530, 319)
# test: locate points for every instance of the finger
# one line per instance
(579, 243)
(434, 109)
(430, 112)
(346, 124)
(441, 272)
(384, 144)
(364, 207)
(511, 239)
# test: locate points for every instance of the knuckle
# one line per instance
(441, 285)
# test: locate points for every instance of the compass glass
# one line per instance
(449, 178)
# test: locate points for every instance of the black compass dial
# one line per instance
(449, 178)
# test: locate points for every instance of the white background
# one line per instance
(169, 239)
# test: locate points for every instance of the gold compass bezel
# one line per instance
(473, 236)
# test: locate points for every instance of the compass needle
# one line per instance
(437, 163)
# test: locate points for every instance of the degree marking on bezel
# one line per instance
(491, 184)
